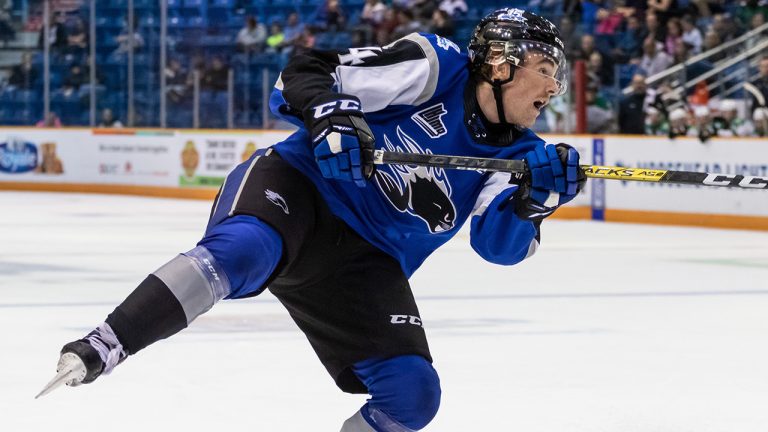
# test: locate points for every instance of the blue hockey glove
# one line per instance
(343, 142)
(555, 179)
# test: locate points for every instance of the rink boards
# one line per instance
(193, 163)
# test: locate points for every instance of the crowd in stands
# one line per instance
(622, 42)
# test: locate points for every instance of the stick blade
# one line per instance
(71, 371)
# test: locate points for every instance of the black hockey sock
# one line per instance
(150, 313)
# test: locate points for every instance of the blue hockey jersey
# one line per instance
(412, 93)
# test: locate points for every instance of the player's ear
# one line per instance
(500, 71)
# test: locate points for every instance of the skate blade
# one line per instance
(71, 368)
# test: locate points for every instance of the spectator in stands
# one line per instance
(679, 120)
(216, 77)
(276, 38)
(108, 119)
(407, 24)
(571, 37)
(599, 116)
(760, 119)
(373, 13)
(674, 34)
(75, 79)
(597, 75)
(253, 37)
(77, 39)
(761, 83)
(454, 8)
(330, 16)
(724, 26)
(292, 31)
(757, 21)
(682, 52)
(587, 49)
(387, 27)
(702, 124)
(588, 16)
(197, 68)
(707, 8)
(655, 122)
(728, 123)
(663, 97)
(305, 42)
(712, 40)
(7, 33)
(700, 95)
(360, 36)
(24, 75)
(128, 40)
(748, 9)
(556, 113)
(442, 24)
(629, 43)
(572, 8)
(654, 28)
(631, 107)
(691, 34)
(663, 9)
(609, 21)
(176, 81)
(630, 8)
(654, 60)
(57, 33)
(422, 9)
(548, 8)
(49, 121)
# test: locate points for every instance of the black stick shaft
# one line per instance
(519, 170)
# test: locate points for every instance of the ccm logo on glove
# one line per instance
(342, 142)
(325, 109)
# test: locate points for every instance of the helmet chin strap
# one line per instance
(496, 85)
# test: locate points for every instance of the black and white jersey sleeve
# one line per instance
(410, 71)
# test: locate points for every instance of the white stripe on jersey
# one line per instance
(242, 185)
(497, 183)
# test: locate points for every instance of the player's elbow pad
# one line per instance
(196, 280)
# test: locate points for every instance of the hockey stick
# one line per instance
(519, 170)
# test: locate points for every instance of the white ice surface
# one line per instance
(610, 327)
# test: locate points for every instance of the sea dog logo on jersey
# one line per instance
(431, 120)
(423, 192)
(447, 44)
(17, 156)
(277, 200)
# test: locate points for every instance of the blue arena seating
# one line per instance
(196, 28)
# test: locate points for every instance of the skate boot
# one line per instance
(84, 360)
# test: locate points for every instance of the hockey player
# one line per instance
(335, 239)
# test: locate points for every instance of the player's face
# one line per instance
(525, 96)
